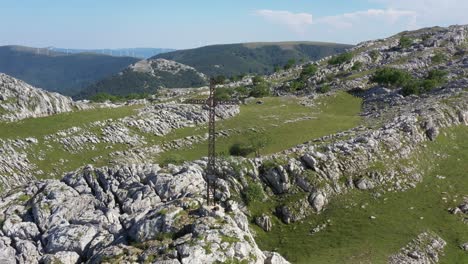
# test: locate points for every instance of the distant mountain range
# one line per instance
(83, 73)
(141, 53)
(57, 71)
(228, 60)
(254, 58)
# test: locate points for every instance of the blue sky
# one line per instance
(192, 23)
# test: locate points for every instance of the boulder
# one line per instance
(264, 222)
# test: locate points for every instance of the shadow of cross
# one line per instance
(211, 103)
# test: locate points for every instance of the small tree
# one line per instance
(253, 192)
(260, 90)
(258, 143)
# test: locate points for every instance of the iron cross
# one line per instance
(211, 102)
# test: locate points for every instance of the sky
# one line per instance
(181, 24)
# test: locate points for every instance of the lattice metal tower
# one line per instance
(211, 103)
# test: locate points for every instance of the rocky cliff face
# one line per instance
(18, 100)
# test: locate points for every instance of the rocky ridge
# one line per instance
(153, 66)
(19, 100)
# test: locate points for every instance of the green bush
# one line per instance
(391, 77)
(438, 57)
(253, 193)
(405, 42)
(411, 87)
(296, 85)
(260, 90)
(259, 142)
(374, 54)
(434, 79)
(340, 59)
(357, 66)
(310, 70)
(224, 93)
(257, 80)
(104, 97)
(242, 91)
(324, 88)
(437, 75)
(290, 64)
(239, 149)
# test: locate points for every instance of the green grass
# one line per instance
(354, 238)
(39, 127)
(334, 113)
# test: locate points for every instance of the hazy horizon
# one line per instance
(183, 25)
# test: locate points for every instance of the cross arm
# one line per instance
(195, 101)
(228, 102)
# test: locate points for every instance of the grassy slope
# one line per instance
(40, 127)
(335, 113)
(353, 238)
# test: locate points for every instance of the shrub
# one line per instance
(224, 93)
(239, 149)
(296, 85)
(289, 64)
(391, 77)
(253, 192)
(356, 66)
(104, 97)
(310, 70)
(429, 85)
(257, 80)
(324, 88)
(340, 59)
(374, 54)
(405, 42)
(438, 57)
(411, 87)
(242, 91)
(258, 143)
(437, 75)
(260, 90)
